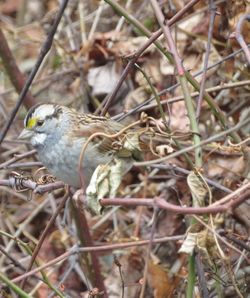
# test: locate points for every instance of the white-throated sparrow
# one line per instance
(59, 133)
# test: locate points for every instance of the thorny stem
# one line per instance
(193, 122)
(157, 98)
(191, 276)
(147, 105)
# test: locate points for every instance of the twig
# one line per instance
(22, 227)
(161, 203)
(12, 259)
(239, 242)
(96, 20)
(21, 183)
(202, 222)
(201, 275)
(119, 265)
(13, 287)
(212, 10)
(100, 248)
(22, 165)
(237, 34)
(16, 158)
(174, 167)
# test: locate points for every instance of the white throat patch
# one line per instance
(38, 139)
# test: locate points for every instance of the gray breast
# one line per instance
(62, 161)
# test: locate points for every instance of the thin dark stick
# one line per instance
(174, 167)
(212, 9)
(119, 265)
(202, 284)
(43, 52)
(239, 242)
(12, 259)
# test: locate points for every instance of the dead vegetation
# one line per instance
(179, 223)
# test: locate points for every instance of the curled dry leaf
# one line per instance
(105, 182)
(163, 150)
(97, 188)
(189, 244)
(198, 189)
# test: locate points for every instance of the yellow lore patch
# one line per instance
(32, 122)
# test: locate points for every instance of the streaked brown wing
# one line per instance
(89, 125)
(102, 125)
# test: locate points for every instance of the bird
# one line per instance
(59, 134)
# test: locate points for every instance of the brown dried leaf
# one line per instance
(159, 280)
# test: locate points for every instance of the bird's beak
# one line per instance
(25, 134)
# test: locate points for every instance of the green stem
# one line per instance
(29, 251)
(192, 118)
(14, 287)
(191, 277)
(213, 106)
(45, 279)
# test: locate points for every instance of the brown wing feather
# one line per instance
(87, 127)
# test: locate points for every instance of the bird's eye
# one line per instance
(39, 122)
